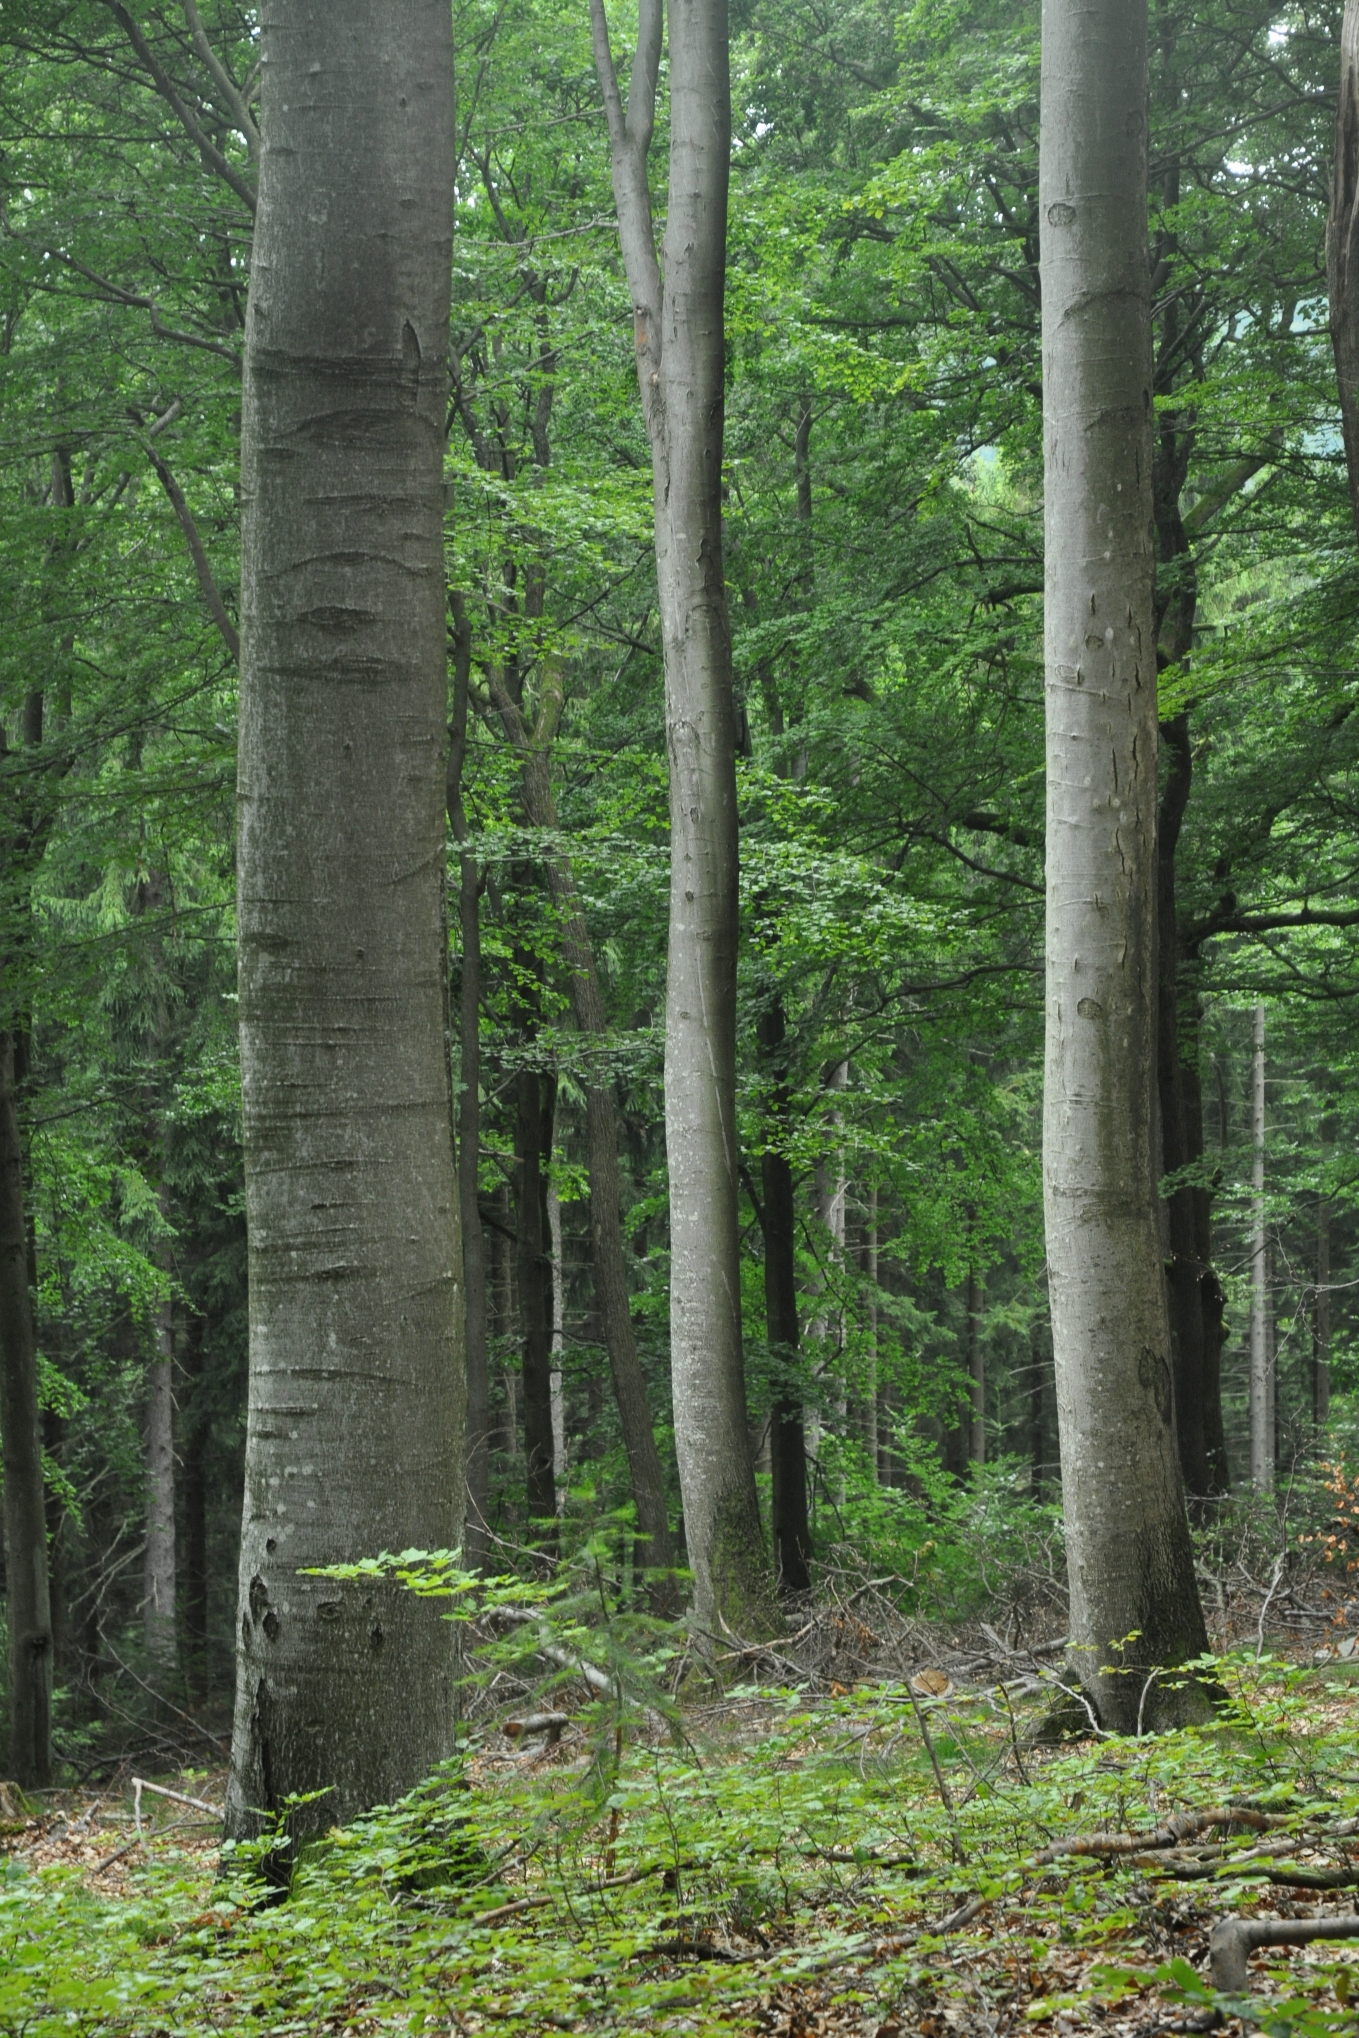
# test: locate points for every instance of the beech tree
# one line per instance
(356, 1388)
(677, 308)
(1134, 1600)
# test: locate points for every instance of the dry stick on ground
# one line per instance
(1181, 1827)
(944, 1798)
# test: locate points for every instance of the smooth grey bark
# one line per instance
(477, 1360)
(680, 354)
(1260, 1380)
(1342, 248)
(1129, 1556)
(647, 1479)
(355, 1434)
(28, 1601)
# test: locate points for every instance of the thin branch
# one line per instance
(164, 84)
(211, 592)
(237, 104)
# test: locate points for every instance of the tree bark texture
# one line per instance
(477, 1359)
(680, 354)
(1342, 247)
(787, 1432)
(355, 1432)
(28, 1601)
(655, 1546)
(1128, 1550)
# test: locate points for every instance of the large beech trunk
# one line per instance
(1342, 247)
(355, 1434)
(28, 1603)
(678, 333)
(1128, 1548)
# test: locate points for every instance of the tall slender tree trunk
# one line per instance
(556, 1382)
(976, 1369)
(28, 1601)
(787, 1433)
(1321, 1321)
(656, 1549)
(194, 1487)
(1342, 247)
(355, 1435)
(1128, 1549)
(158, 1447)
(1261, 1414)
(870, 1265)
(469, 1111)
(1184, 1270)
(680, 352)
(536, 1107)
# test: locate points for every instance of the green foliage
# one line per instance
(808, 1839)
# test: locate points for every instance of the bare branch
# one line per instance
(164, 84)
(629, 142)
(236, 103)
(211, 592)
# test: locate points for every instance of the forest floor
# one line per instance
(895, 1857)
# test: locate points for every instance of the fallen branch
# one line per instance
(1181, 1827)
(1233, 1940)
(877, 1947)
(139, 1784)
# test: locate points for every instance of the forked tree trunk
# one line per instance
(355, 1434)
(1342, 247)
(1128, 1548)
(680, 353)
(27, 1602)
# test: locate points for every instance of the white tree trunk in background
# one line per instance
(680, 351)
(1128, 1548)
(356, 1364)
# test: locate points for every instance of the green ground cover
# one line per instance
(873, 1861)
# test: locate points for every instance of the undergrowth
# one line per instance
(762, 1863)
